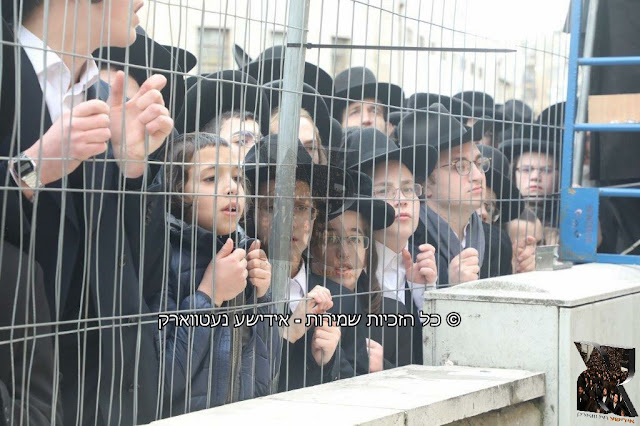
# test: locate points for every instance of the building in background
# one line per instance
(535, 73)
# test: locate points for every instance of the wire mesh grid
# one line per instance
(139, 138)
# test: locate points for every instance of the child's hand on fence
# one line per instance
(259, 269)
(325, 341)
(525, 255)
(424, 270)
(376, 355)
(230, 274)
(464, 267)
(318, 301)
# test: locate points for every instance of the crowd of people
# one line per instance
(598, 385)
(133, 194)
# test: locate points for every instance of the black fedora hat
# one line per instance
(269, 65)
(516, 111)
(377, 212)
(146, 57)
(240, 56)
(514, 148)
(481, 103)
(499, 180)
(366, 147)
(313, 103)
(456, 106)
(221, 92)
(358, 83)
(330, 186)
(434, 126)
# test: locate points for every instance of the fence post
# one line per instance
(287, 152)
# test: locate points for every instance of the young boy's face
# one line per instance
(217, 182)
(303, 219)
(448, 188)
(366, 113)
(241, 134)
(536, 174)
(396, 180)
(341, 252)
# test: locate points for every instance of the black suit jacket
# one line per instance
(94, 234)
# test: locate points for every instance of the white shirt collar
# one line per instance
(53, 74)
(387, 258)
(391, 273)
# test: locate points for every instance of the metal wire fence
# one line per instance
(206, 202)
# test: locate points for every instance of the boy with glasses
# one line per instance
(454, 190)
(391, 169)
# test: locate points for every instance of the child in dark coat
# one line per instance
(214, 269)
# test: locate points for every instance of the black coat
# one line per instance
(105, 228)
(497, 254)
(300, 370)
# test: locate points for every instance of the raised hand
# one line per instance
(524, 255)
(259, 269)
(76, 136)
(325, 341)
(318, 302)
(464, 267)
(143, 114)
(424, 270)
(230, 276)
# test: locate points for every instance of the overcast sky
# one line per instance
(512, 20)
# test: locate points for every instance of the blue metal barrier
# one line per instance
(579, 206)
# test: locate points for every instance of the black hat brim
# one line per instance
(389, 95)
(378, 213)
(419, 159)
(512, 149)
(330, 186)
(230, 92)
(268, 70)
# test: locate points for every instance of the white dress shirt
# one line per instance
(298, 287)
(392, 275)
(55, 78)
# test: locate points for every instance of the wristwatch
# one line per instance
(25, 169)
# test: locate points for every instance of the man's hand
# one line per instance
(376, 355)
(325, 341)
(524, 255)
(143, 114)
(464, 267)
(230, 274)
(76, 136)
(424, 270)
(318, 302)
(259, 269)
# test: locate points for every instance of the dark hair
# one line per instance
(215, 125)
(367, 281)
(183, 149)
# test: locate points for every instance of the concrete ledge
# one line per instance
(402, 396)
(578, 285)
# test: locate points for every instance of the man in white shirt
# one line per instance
(65, 132)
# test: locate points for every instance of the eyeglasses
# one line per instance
(299, 211)
(527, 170)
(353, 242)
(463, 166)
(389, 192)
(243, 138)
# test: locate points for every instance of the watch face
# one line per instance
(25, 166)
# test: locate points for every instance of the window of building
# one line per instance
(216, 52)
